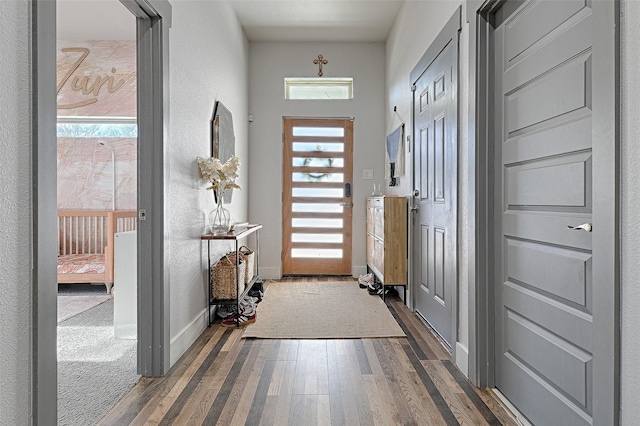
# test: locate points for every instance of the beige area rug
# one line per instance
(321, 310)
(70, 306)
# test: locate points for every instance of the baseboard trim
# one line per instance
(462, 358)
(185, 337)
(510, 408)
(359, 270)
(270, 273)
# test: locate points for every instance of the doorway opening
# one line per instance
(152, 25)
(97, 167)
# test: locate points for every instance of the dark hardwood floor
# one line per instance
(226, 380)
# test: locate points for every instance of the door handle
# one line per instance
(585, 227)
(413, 209)
(347, 205)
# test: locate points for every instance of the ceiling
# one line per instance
(94, 20)
(316, 20)
(262, 20)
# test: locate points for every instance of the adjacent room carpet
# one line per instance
(321, 310)
(94, 369)
(76, 298)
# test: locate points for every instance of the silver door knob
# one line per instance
(416, 192)
(584, 227)
(413, 209)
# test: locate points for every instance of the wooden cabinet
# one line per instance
(387, 239)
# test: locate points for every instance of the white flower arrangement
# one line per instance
(220, 176)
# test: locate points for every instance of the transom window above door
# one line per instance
(318, 88)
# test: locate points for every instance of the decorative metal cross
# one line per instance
(320, 62)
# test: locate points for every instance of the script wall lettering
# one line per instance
(82, 83)
(96, 78)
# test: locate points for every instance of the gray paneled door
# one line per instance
(436, 185)
(554, 297)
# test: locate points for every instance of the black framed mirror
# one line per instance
(223, 140)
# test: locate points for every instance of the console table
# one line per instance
(234, 235)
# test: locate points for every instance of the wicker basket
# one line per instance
(249, 259)
(223, 277)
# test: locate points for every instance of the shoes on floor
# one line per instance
(375, 288)
(257, 291)
(257, 294)
(247, 310)
(365, 280)
(224, 311)
(240, 321)
(391, 291)
(248, 305)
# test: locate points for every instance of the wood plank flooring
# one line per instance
(226, 380)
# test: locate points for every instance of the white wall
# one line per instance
(208, 57)
(415, 28)
(15, 211)
(269, 63)
(630, 234)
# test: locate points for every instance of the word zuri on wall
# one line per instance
(82, 83)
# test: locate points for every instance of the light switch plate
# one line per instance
(367, 174)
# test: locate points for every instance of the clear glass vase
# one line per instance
(219, 218)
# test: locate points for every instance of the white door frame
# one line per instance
(153, 23)
(481, 309)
